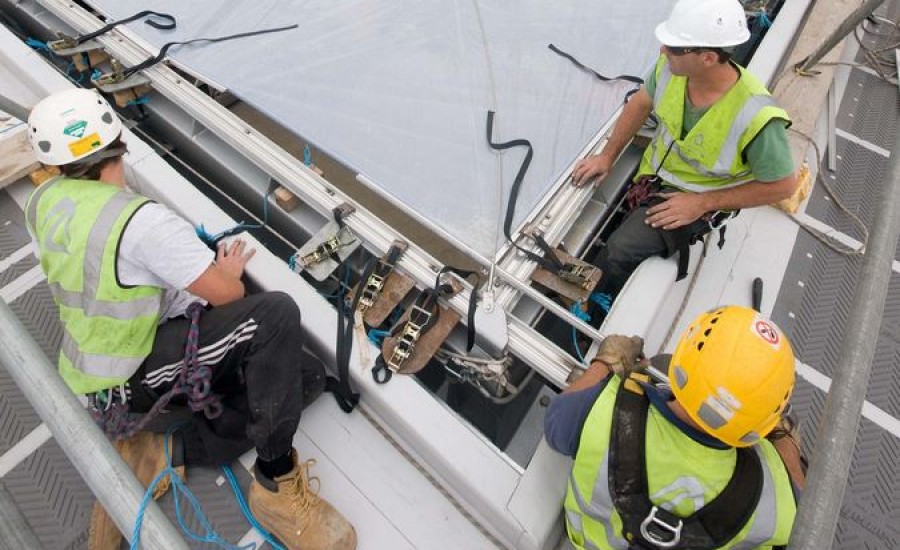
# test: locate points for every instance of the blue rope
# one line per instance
(213, 240)
(179, 486)
(307, 155)
(602, 299)
(763, 19)
(239, 496)
(584, 316)
(143, 100)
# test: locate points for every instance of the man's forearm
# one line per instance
(754, 193)
(633, 116)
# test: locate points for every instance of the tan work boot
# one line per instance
(292, 511)
(145, 455)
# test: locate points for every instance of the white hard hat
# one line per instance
(705, 23)
(69, 126)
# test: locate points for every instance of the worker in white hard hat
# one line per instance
(154, 319)
(720, 144)
(708, 460)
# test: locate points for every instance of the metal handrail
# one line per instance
(104, 471)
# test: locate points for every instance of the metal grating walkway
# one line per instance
(815, 300)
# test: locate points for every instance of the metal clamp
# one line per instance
(412, 330)
(327, 248)
(577, 275)
(659, 524)
(370, 291)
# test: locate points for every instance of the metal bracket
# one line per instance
(316, 256)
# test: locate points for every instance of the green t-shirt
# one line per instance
(768, 155)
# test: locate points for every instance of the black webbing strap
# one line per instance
(582, 66)
(165, 48)
(712, 526)
(551, 263)
(424, 313)
(343, 393)
(149, 21)
(427, 304)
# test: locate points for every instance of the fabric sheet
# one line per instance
(398, 90)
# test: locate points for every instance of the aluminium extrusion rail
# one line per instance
(545, 357)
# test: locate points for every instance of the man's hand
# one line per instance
(677, 210)
(594, 168)
(231, 258)
(623, 354)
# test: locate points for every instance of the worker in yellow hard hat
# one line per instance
(708, 461)
(720, 143)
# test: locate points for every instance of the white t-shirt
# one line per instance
(160, 248)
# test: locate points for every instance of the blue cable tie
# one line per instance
(307, 155)
(377, 336)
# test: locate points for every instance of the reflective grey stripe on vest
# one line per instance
(123, 311)
(766, 519)
(662, 81)
(575, 524)
(601, 506)
(93, 262)
(98, 365)
(31, 207)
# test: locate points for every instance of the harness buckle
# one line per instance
(663, 534)
(580, 275)
(412, 330)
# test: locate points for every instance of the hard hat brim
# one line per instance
(668, 38)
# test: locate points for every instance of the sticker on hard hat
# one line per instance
(76, 129)
(85, 145)
(767, 331)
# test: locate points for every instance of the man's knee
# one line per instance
(278, 305)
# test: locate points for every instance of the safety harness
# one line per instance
(423, 315)
(576, 274)
(645, 192)
(649, 527)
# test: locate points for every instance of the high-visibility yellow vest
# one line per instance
(108, 328)
(711, 155)
(682, 475)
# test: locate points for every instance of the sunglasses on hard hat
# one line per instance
(678, 51)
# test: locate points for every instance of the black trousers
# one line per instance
(264, 377)
(630, 244)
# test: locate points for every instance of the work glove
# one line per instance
(623, 354)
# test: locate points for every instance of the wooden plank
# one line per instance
(17, 158)
(804, 96)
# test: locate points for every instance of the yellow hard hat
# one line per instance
(733, 372)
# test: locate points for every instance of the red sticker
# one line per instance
(767, 332)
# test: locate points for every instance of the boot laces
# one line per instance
(304, 489)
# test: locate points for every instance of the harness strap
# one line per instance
(195, 381)
(648, 526)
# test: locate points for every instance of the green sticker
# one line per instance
(76, 129)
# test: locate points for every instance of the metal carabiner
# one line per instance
(658, 523)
